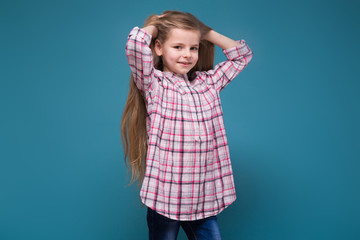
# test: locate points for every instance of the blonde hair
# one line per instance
(133, 122)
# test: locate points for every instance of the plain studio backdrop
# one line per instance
(292, 118)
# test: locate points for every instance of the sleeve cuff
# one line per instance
(237, 51)
(140, 33)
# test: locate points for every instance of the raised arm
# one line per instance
(140, 58)
(220, 40)
(238, 56)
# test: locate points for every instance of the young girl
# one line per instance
(172, 126)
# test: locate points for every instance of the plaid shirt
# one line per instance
(188, 170)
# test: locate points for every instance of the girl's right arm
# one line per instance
(152, 30)
(140, 58)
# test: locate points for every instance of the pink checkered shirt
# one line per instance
(188, 170)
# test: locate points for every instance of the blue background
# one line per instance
(292, 118)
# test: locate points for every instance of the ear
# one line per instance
(158, 47)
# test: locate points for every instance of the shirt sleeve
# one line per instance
(237, 59)
(140, 58)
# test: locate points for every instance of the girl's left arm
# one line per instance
(220, 40)
(238, 56)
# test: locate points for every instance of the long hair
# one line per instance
(133, 122)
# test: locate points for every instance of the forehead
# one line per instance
(177, 35)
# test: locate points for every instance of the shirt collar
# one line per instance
(176, 75)
(180, 81)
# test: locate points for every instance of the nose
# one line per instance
(186, 53)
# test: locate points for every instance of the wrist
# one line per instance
(151, 29)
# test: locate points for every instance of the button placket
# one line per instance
(195, 115)
(183, 84)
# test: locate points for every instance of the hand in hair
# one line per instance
(150, 24)
(220, 40)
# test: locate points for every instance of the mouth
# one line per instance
(185, 63)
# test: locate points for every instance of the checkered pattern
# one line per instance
(188, 169)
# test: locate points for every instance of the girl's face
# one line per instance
(180, 51)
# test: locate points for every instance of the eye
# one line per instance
(194, 48)
(177, 47)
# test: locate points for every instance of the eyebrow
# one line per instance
(179, 43)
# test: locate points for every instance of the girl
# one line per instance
(172, 126)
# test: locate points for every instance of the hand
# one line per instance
(150, 24)
(152, 20)
(207, 36)
(220, 40)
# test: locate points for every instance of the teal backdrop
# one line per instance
(292, 118)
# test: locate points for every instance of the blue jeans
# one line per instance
(163, 228)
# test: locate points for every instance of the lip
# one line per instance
(185, 63)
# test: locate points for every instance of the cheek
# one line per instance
(172, 56)
(196, 57)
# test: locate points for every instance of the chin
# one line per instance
(184, 71)
(180, 72)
